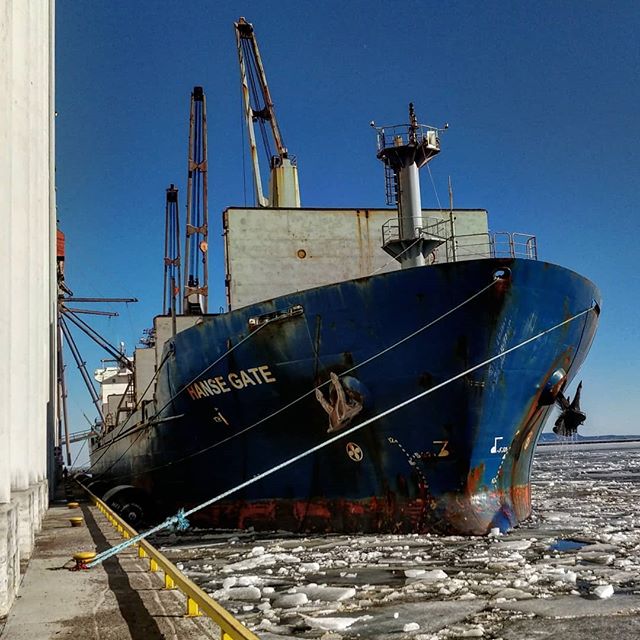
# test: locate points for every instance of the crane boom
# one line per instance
(284, 190)
(196, 243)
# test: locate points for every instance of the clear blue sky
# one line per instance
(542, 99)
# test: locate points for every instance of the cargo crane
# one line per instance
(258, 107)
(172, 302)
(66, 317)
(196, 244)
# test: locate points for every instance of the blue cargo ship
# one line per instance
(457, 460)
(416, 372)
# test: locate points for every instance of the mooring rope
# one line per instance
(179, 520)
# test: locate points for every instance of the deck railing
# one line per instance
(500, 244)
(433, 227)
(473, 246)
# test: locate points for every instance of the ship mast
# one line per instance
(172, 302)
(404, 150)
(284, 190)
(196, 243)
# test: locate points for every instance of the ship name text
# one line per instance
(233, 380)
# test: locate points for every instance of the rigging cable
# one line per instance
(386, 264)
(73, 464)
(117, 436)
(252, 72)
(180, 519)
(150, 422)
(243, 154)
(434, 188)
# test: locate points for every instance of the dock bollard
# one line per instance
(73, 505)
(76, 521)
(81, 558)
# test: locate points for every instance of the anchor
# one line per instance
(343, 404)
(571, 416)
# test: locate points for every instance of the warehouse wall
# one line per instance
(26, 255)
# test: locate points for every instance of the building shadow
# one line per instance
(140, 622)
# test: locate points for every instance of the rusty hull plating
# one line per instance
(456, 461)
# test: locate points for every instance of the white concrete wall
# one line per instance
(270, 252)
(26, 241)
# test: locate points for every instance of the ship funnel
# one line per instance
(404, 150)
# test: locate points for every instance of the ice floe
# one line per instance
(576, 558)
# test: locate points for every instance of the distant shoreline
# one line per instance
(587, 440)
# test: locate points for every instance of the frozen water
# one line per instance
(577, 559)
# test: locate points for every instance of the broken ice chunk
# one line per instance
(414, 573)
(516, 545)
(238, 593)
(434, 575)
(290, 600)
(328, 594)
(604, 591)
(513, 594)
(330, 624)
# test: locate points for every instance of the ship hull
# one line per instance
(236, 398)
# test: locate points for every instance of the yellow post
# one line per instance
(225, 636)
(141, 553)
(192, 607)
(153, 565)
(168, 582)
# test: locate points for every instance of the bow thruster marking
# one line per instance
(354, 451)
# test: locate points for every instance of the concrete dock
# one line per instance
(118, 599)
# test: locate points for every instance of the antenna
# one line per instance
(452, 221)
